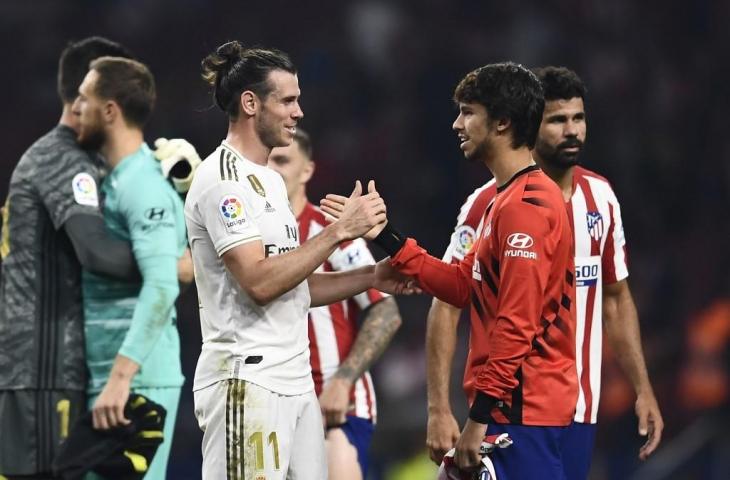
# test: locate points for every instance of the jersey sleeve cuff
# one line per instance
(481, 408)
(234, 242)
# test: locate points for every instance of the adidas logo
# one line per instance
(268, 208)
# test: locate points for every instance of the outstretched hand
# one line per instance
(390, 280)
(337, 207)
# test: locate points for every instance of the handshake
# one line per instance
(178, 160)
(365, 216)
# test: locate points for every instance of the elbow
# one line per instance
(89, 260)
(260, 295)
(396, 321)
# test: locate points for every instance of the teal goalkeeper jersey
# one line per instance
(137, 319)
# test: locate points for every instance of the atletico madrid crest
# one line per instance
(595, 225)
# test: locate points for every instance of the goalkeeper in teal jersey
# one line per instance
(132, 342)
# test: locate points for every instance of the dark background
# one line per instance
(377, 79)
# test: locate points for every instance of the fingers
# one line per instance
(655, 427)
(357, 191)
(99, 419)
(436, 454)
(105, 417)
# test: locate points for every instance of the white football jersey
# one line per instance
(233, 201)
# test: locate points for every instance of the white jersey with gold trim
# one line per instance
(233, 201)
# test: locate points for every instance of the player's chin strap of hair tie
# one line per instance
(390, 240)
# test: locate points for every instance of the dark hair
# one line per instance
(233, 69)
(304, 142)
(507, 91)
(560, 83)
(75, 60)
(130, 84)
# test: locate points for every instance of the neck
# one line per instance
(298, 202)
(243, 137)
(505, 164)
(68, 119)
(562, 176)
(121, 142)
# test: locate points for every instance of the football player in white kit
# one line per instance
(254, 394)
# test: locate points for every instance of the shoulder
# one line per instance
(145, 185)
(60, 151)
(598, 184)
(534, 197)
(479, 198)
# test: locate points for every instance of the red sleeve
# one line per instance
(450, 283)
(522, 235)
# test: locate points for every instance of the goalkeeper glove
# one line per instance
(178, 160)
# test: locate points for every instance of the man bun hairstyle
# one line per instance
(507, 91)
(75, 59)
(560, 83)
(232, 69)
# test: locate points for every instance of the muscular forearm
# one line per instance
(380, 324)
(440, 345)
(622, 330)
(270, 277)
(331, 287)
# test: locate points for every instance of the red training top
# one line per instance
(519, 278)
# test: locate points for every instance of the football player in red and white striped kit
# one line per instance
(602, 291)
(340, 352)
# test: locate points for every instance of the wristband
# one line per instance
(482, 407)
(390, 240)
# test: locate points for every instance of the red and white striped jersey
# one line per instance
(333, 328)
(600, 258)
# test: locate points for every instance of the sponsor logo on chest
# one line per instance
(520, 244)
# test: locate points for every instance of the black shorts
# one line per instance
(33, 423)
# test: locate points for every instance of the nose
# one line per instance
(75, 107)
(298, 112)
(571, 129)
(458, 124)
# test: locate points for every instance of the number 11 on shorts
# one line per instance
(257, 440)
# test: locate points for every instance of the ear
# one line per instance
(110, 111)
(502, 124)
(307, 172)
(249, 101)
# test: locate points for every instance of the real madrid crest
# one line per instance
(256, 184)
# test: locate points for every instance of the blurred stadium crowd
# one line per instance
(377, 79)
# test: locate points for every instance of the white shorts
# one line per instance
(251, 433)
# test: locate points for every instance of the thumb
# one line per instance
(371, 186)
(643, 428)
(357, 191)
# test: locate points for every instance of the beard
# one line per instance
(557, 157)
(481, 152)
(91, 137)
(269, 131)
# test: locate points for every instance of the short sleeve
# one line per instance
(69, 187)
(227, 214)
(614, 264)
(152, 215)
